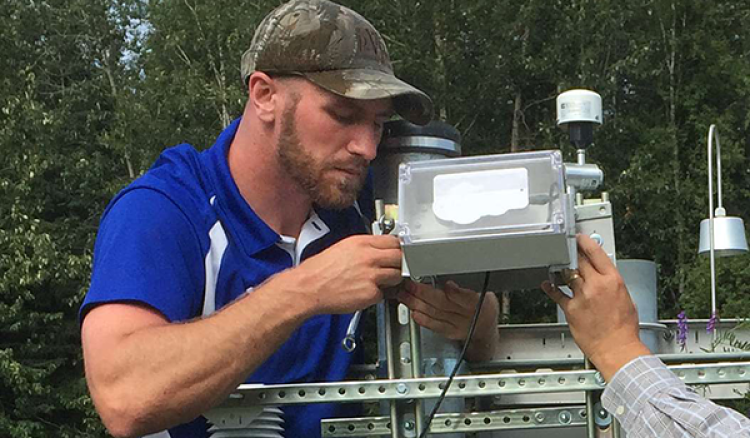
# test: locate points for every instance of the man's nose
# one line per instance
(365, 143)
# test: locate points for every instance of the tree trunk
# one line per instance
(113, 91)
(440, 74)
(670, 44)
(515, 134)
(217, 68)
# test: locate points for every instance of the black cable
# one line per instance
(469, 335)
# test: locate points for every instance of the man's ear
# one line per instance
(264, 96)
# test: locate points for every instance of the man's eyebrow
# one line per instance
(387, 114)
(355, 105)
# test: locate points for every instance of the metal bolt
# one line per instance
(602, 417)
(409, 425)
(599, 378)
(539, 416)
(565, 417)
(401, 388)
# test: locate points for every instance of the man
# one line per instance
(265, 226)
(647, 399)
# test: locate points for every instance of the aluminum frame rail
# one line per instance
(564, 416)
(464, 386)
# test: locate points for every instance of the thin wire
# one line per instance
(469, 335)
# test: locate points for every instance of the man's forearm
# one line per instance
(168, 374)
(483, 348)
(486, 336)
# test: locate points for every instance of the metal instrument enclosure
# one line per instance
(487, 213)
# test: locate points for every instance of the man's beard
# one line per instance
(326, 189)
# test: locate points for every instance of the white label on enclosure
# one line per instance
(464, 198)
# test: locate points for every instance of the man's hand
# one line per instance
(601, 314)
(449, 311)
(348, 276)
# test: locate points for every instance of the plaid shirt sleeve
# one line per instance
(650, 401)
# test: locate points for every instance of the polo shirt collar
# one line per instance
(251, 232)
(313, 229)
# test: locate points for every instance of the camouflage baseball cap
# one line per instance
(336, 49)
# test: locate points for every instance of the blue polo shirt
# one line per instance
(182, 240)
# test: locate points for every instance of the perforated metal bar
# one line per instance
(464, 386)
(470, 422)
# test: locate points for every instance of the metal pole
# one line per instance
(590, 419)
(711, 133)
(416, 371)
(615, 428)
(581, 156)
(394, 359)
(405, 413)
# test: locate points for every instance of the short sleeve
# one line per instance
(147, 252)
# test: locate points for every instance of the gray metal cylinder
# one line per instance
(583, 176)
(404, 142)
(640, 278)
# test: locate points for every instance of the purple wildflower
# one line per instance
(682, 330)
(711, 326)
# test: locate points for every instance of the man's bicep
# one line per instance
(147, 253)
(104, 334)
(106, 325)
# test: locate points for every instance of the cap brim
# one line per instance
(409, 102)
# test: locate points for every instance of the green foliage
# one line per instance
(56, 175)
(91, 91)
(191, 66)
(727, 341)
(732, 288)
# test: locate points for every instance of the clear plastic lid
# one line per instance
(481, 196)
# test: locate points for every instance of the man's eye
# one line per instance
(344, 118)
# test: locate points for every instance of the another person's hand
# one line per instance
(348, 276)
(449, 311)
(603, 319)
